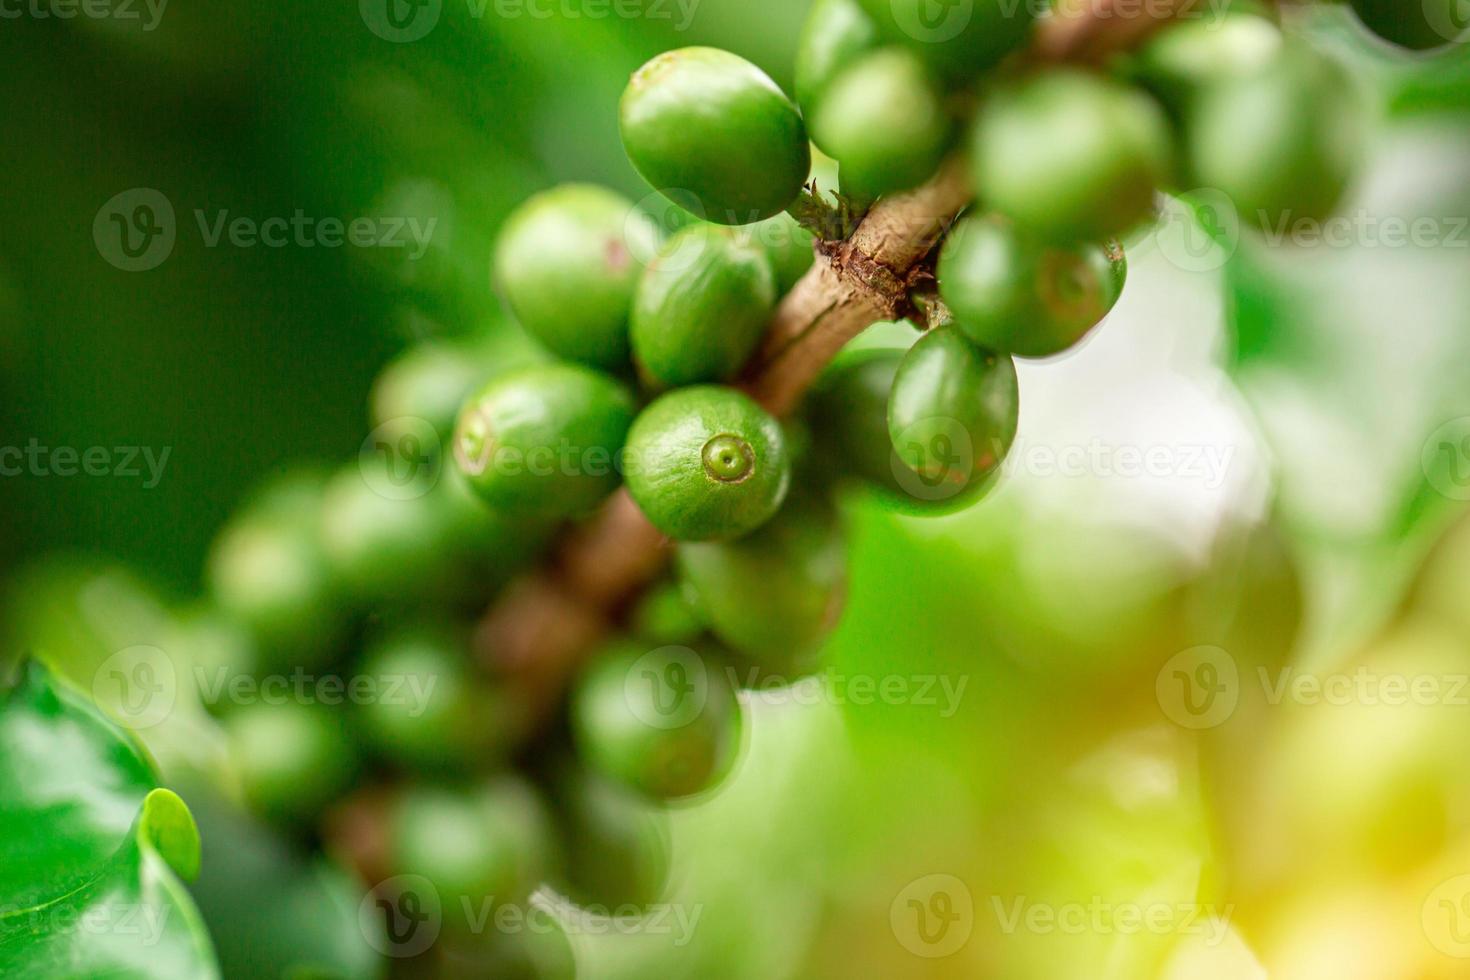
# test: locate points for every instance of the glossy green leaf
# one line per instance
(91, 855)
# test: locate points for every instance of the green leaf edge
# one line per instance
(163, 831)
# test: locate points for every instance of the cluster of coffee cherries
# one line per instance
(625, 371)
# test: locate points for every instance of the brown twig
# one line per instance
(1091, 31)
(543, 625)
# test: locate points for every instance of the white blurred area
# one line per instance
(1165, 443)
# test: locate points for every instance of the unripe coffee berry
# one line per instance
(702, 306)
(453, 721)
(959, 40)
(1009, 292)
(848, 413)
(1070, 156)
(544, 440)
(708, 123)
(1282, 142)
(618, 841)
(567, 261)
(788, 245)
(884, 121)
(490, 843)
(268, 571)
(952, 416)
(707, 463)
(662, 721)
(835, 34)
(1189, 56)
(773, 595)
(292, 758)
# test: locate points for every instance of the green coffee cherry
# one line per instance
(432, 712)
(1010, 293)
(952, 416)
(480, 847)
(773, 595)
(787, 245)
(708, 123)
(666, 615)
(268, 572)
(1283, 142)
(884, 121)
(848, 412)
(618, 843)
(835, 34)
(1420, 25)
(377, 546)
(431, 380)
(702, 306)
(483, 547)
(567, 261)
(663, 722)
(707, 463)
(543, 440)
(1192, 54)
(959, 40)
(292, 759)
(1070, 156)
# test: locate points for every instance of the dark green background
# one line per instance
(240, 360)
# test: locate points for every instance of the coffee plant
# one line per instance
(585, 544)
